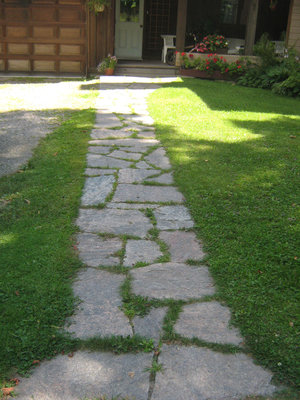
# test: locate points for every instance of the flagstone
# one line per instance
(126, 142)
(151, 325)
(173, 217)
(88, 375)
(141, 251)
(202, 374)
(131, 175)
(98, 171)
(126, 155)
(95, 160)
(99, 149)
(95, 251)
(136, 149)
(127, 192)
(107, 120)
(118, 222)
(143, 165)
(132, 206)
(172, 281)
(182, 245)
(98, 313)
(145, 134)
(96, 189)
(109, 133)
(164, 178)
(207, 321)
(159, 159)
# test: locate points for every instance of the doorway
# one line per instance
(129, 29)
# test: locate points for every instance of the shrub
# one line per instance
(281, 75)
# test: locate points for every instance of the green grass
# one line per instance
(235, 152)
(38, 207)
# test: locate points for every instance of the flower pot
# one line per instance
(99, 8)
(109, 71)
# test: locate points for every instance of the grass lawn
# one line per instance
(38, 206)
(235, 152)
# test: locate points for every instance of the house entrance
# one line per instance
(129, 29)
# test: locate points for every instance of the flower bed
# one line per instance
(211, 67)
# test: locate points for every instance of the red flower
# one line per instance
(183, 54)
(215, 59)
(239, 66)
(226, 70)
(207, 67)
(191, 55)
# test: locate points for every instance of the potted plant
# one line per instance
(212, 44)
(107, 65)
(98, 5)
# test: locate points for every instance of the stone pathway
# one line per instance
(136, 231)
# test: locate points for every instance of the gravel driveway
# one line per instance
(28, 112)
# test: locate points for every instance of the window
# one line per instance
(229, 10)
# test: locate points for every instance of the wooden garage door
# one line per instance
(43, 36)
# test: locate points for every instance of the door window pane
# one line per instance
(129, 10)
(229, 10)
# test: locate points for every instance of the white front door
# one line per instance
(129, 29)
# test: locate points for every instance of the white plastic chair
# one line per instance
(235, 45)
(169, 43)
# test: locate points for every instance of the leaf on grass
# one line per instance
(27, 201)
(16, 381)
(35, 361)
(7, 391)
(71, 354)
(293, 136)
(55, 154)
(17, 293)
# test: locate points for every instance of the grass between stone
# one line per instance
(235, 152)
(38, 260)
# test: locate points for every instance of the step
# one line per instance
(146, 71)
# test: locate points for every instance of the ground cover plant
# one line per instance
(38, 206)
(235, 152)
(280, 74)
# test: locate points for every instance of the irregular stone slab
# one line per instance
(99, 312)
(208, 321)
(96, 189)
(97, 171)
(95, 160)
(144, 119)
(88, 375)
(109, 133)
(131, 175)
(107, 120)
(172, 281)
(182, 245)
(139, 193)
(159, 159)
(126, 142)
(145, 134)
(118, 222)
(136, 149)
(203, 374)
(151, 325)
(132, 206)
(124, 154)
(143, 165)
(164, 178)
(141, 251)
(95, 251)
(173, 217)
(99, 149)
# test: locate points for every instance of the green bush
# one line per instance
(281, 75)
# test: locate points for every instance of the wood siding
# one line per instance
(43, 36)
(101, 28)
(293, 31)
